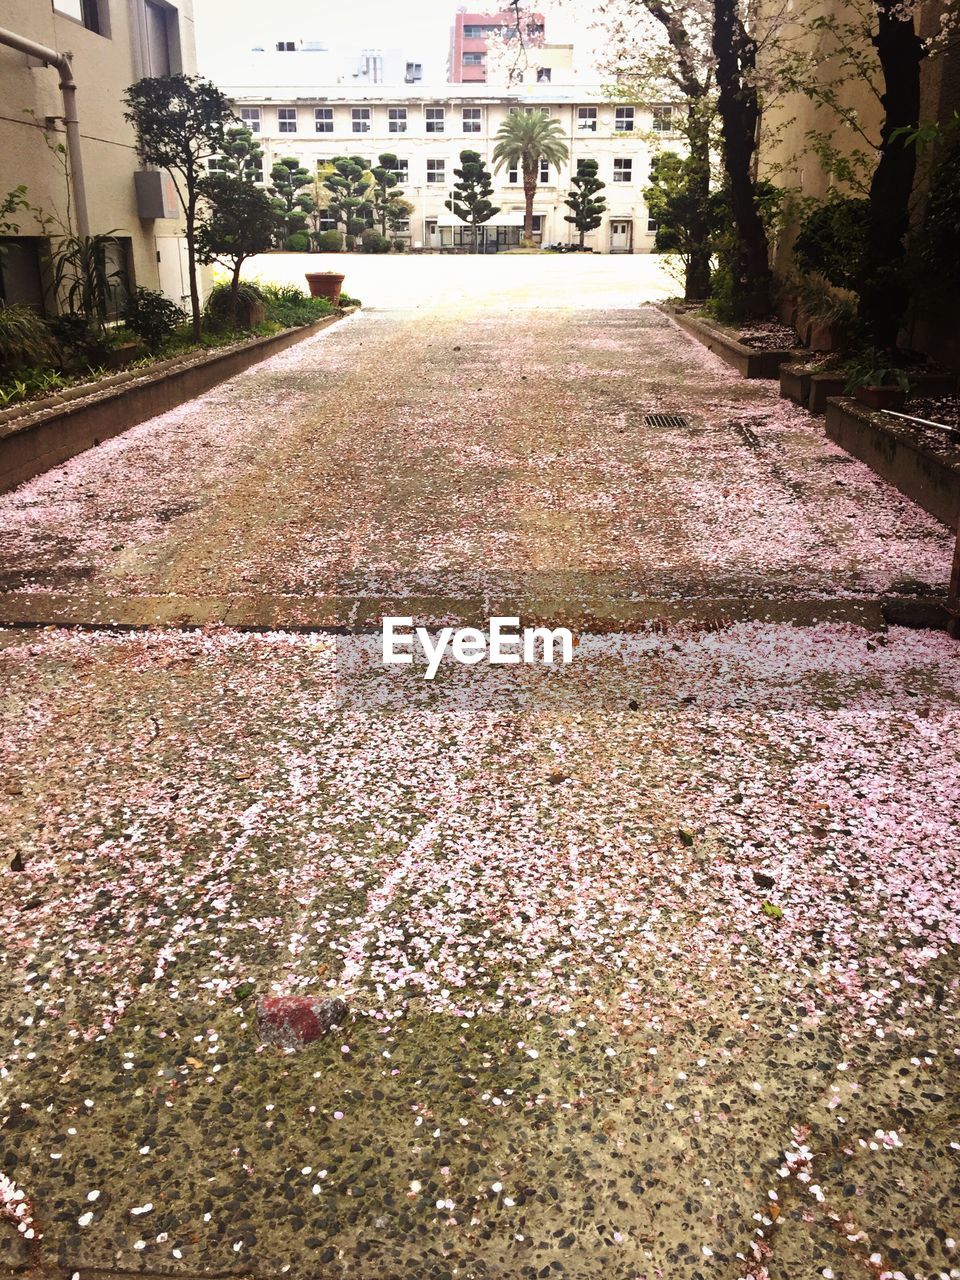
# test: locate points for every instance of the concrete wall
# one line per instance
(104, 66)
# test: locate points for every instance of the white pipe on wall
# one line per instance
(68, 87)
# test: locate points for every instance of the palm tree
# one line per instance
(523, 140)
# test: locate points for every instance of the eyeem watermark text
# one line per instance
(503, 644)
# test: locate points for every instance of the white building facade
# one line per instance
(426, 130)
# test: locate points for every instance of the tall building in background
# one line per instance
(470, 36)
(112, 43)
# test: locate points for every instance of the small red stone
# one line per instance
(293, 1021)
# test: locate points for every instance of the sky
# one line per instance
(420, 29)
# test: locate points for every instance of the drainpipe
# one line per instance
(68, 88)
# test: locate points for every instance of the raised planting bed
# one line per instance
(922, 462)
(744, 352)
(795, 383)
(39, 434)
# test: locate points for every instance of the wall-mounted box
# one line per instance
(156, 194)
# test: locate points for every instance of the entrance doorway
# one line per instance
(621, 235)
(432, 233)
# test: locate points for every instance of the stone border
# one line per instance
(890, 448)
(41, 434)
(748, 361)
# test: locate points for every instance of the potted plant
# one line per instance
(875, 381)
(325, 284)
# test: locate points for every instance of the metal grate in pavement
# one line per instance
(666, 420)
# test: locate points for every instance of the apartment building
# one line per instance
(112, 43)
(427, 130)
(470, 36)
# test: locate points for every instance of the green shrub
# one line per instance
(25, 337)
(399, 245)
(329, 241)
(374, 242)
(832, 239)
(351, 243)
(152, 317)
(286, 305)
(934, 246)
(218, 303)
(299, 242)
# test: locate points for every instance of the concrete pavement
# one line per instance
(651, 963)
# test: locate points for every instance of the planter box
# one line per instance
(748, 361)
(37, 436)
(930, 477)
(795, 383)
(822, 386)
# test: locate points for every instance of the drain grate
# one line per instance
(666, 420)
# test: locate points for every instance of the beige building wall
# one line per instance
(105, 63)
(593, 128)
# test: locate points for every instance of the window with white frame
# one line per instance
(326, 221)
(323, 119)
(471, 120)
(286, 46)
(217, 164)
(663, 119)
(85, 11)
(434, 117)
(587, 119)
(402, 228)
(287, 119)
(401, 169)
(397, 119)
(543, 75)
(622, 170)
(436, 171)
(473, 59)
(623, 120)
(652, 224)
(251, 118)
(360, 117)
(544, 171)
(513, 174)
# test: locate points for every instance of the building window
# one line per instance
(471, 119)
(543, 75)
(217, 164)
(436, 171)
(587, 119)
(473, 32)
(663, 119)
(544, 171)
(513, 174)
(326, 221)
(473, 59)
(286, 46)
(401, 169)
(414, 72)
(361, 119)
(397, 118)
(622, 170)
(86, 11)
(652, 224)
(287, 119)
(434, 118)
(402, 228)
(623, 122)
(251, 118)
(163, 39)
(323, 119)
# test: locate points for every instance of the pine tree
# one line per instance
(587, 207)
(288, 180)
(472, 191)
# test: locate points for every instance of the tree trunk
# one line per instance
(697, 280)
(884, 294)
(738, 107)
(529, 191)
(191, 235)
(583, 236)
(234, 292)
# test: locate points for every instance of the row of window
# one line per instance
(435, 119)
(623, 171)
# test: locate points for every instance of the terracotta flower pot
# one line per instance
(881, 397)
(325, 284)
